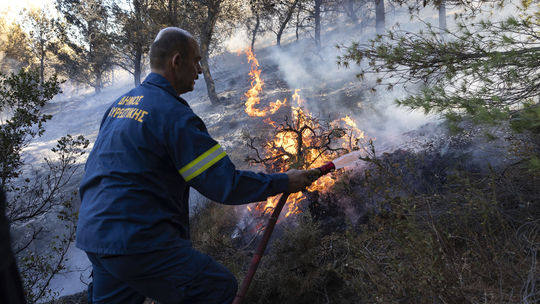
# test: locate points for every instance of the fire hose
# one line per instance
(327, 168)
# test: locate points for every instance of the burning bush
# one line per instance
(301, 141)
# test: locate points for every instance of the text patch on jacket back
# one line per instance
(127, 108)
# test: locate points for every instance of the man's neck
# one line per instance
(168, 76)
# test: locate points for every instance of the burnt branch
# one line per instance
(301, 141)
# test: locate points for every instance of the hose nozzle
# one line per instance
(327, 168)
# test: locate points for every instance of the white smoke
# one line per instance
(326, 85)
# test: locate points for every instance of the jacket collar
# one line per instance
(160, 81)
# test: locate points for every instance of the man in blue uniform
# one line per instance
(134, 218)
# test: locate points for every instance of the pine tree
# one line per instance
(43, 32)
(88, 37)
(134, 34)
(486, 70)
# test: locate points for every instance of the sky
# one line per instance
(12, 8)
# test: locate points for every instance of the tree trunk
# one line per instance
(42, 65)
(98, 85)
(210, 85)
(283, 25)
(138, 44)
(297, 30)
(255, 30)
(172, 13)
(442, 16)
(317, 17)
(350, 11)
(137, 70)
(379, 16)
(206, 39)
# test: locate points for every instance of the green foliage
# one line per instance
(46, 194)
(528, 119)
(43, 38)
(534, 164)
(21, 100)
(132, 39)
(87, 55)
(38, 194)
(484, 69)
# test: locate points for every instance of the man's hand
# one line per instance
(300, 179)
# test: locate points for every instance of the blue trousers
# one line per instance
(179, 276)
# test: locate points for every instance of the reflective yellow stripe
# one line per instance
(201, 163)
(198, 159)
(206, 166)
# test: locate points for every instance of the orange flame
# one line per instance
(287, 140)
(353, 136)
(349, 121)
(270, 122)
(296, 97)
(252, 94)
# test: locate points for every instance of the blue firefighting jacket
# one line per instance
(150, 149)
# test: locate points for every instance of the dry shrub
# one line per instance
(212, 227)
(467, 254)
(303, 266)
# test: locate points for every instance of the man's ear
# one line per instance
(176, 59)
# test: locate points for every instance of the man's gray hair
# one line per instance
(168, 41)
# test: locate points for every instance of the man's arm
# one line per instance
(205, 166)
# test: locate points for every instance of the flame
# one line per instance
(287, 141)
(270, 122)
(349, 121)
(285, 144)
(257, 84)
(298, 100)
(353, 136)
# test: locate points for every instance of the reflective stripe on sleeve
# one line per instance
(201, 163)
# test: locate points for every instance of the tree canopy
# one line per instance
(488, 70)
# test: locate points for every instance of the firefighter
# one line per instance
(134, 215)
